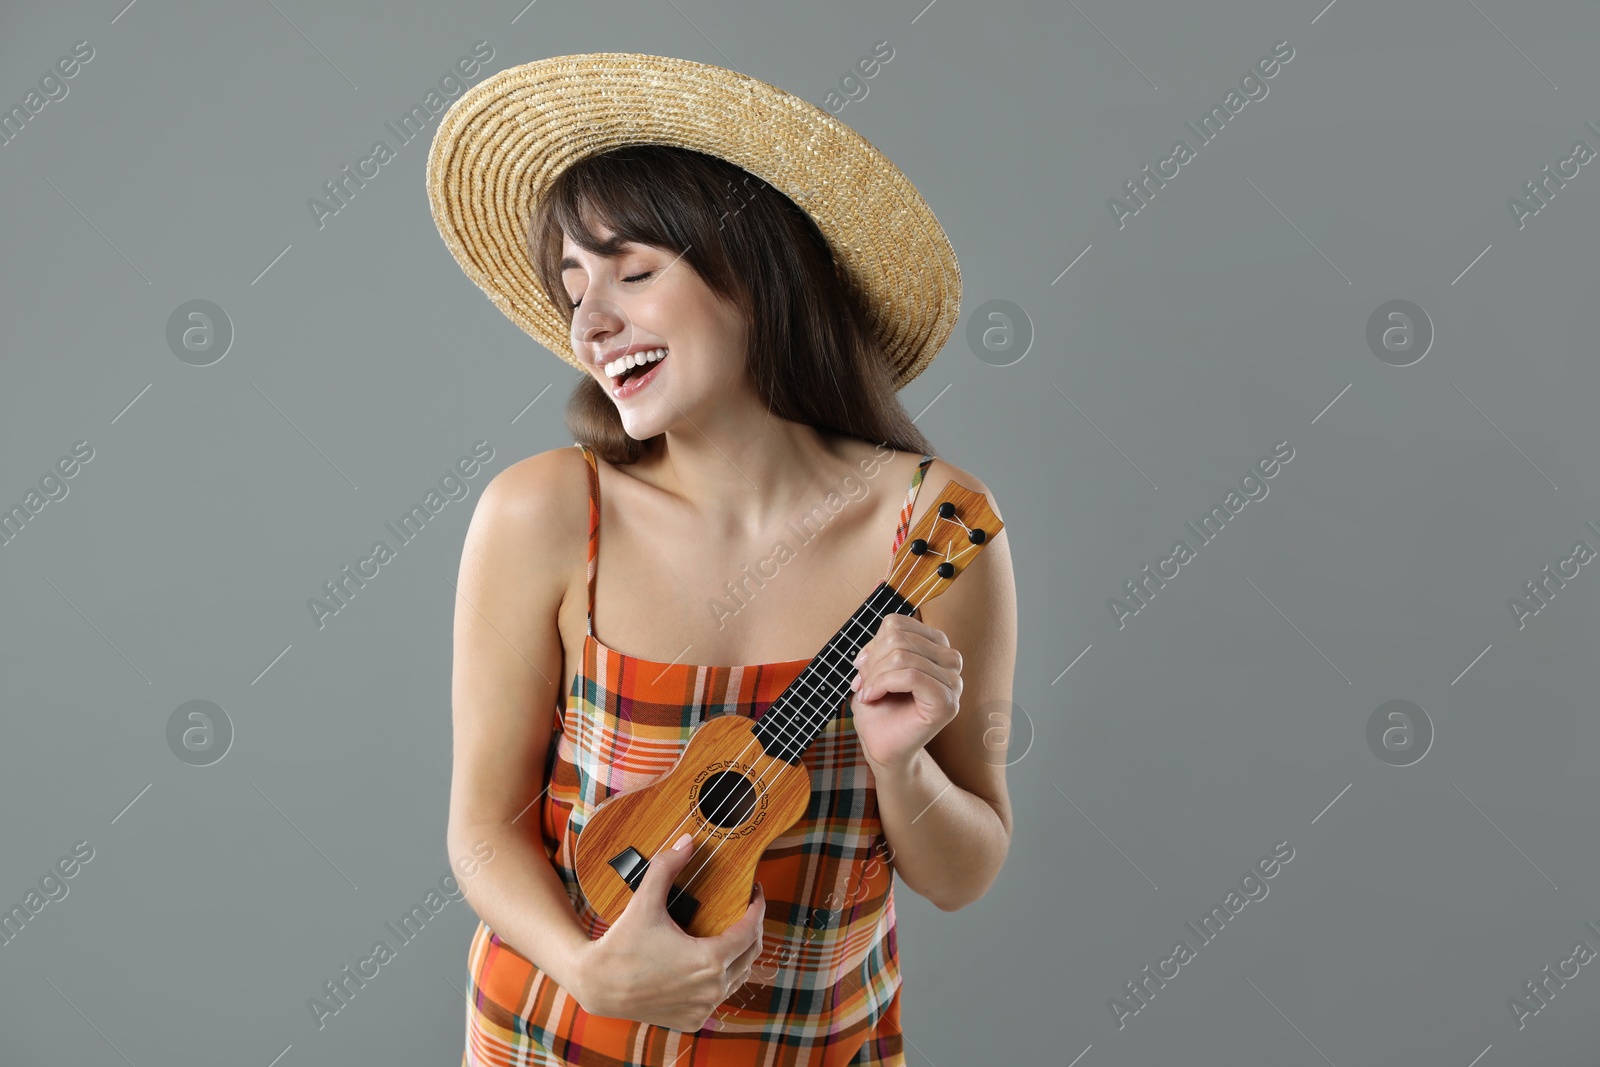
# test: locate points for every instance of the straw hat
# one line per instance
(501, 144)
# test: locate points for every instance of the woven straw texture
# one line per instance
(502, 143)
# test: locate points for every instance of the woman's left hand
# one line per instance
(907, 689)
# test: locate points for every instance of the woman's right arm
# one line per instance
(528, 533)
(527, 542)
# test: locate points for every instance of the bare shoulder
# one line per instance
(522, 554)
(940, 474)
(987, 590)
(533, 484)
(874, 460)
(533, 517)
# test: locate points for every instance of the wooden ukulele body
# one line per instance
(725, 790)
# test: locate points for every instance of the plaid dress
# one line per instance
(825, 991)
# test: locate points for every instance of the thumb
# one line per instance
(664, 867)
(737, 939)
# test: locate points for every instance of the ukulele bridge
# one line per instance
(681, 904)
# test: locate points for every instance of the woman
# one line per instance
(737, 415)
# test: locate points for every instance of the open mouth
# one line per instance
(628, 373)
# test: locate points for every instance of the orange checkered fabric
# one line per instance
(825, 991)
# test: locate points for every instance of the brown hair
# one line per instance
(811, 356)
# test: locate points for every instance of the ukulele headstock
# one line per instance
(944, 541)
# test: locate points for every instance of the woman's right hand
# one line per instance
(645, 968)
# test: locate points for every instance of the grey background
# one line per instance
(1228, 315)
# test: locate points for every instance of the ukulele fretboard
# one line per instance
(795, 719)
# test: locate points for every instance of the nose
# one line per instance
(595, 328)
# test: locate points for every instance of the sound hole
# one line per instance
(727, 799)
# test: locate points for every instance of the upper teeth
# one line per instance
(622, 364)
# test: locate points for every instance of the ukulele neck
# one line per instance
(787, 728)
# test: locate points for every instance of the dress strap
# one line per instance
(594, 526)
(905, 511)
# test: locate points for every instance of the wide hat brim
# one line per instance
(500, 145)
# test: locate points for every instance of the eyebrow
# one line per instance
(614, 247)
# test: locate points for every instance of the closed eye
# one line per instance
(630, 278)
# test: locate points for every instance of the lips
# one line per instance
(629, 381)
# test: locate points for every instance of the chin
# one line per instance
(648, 414)
(641, 426)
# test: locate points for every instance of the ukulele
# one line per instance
(739, 782)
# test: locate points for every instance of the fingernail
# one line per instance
(855, 683)
(682, 842)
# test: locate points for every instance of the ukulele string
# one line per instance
(804, 702)
(722, 809)
(825, 711)
(817, 716)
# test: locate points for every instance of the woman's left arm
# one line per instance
(932, 708)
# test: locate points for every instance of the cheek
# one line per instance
(712, 331)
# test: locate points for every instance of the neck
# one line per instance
(740, 478)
